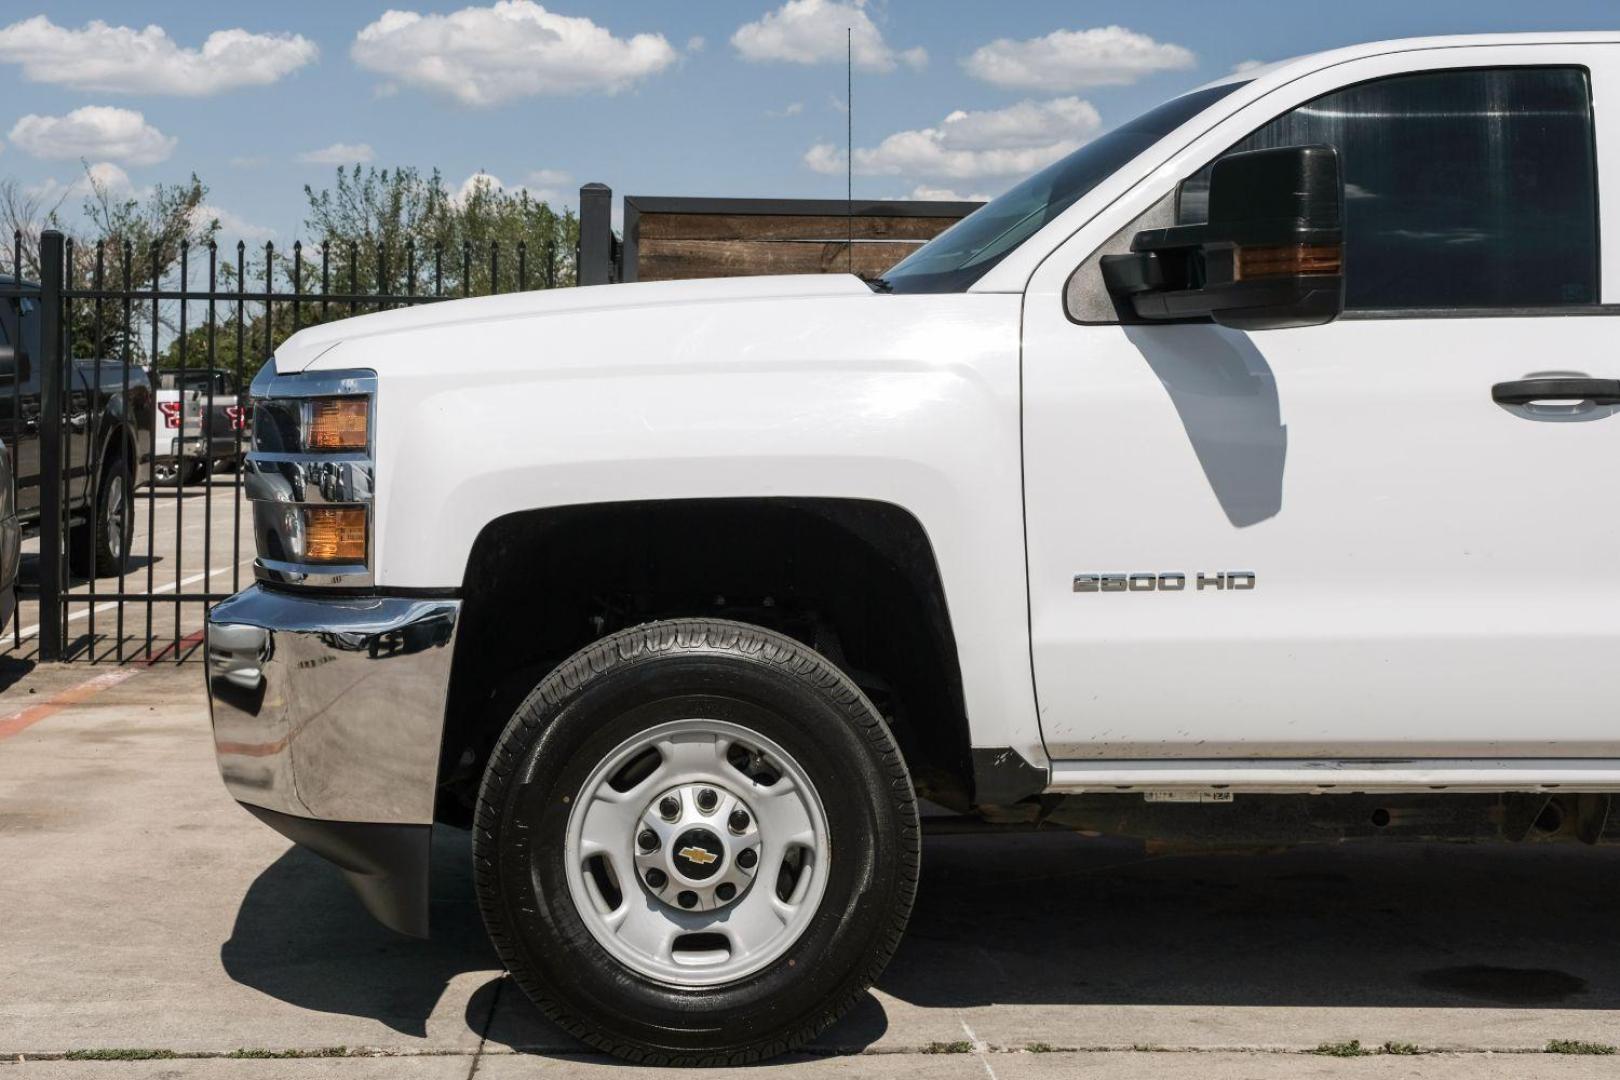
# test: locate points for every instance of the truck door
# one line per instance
(19, 407)
(1391, 536)
(78, 428)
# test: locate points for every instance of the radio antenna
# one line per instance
(849, 138)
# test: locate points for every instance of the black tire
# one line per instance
(169, 473)
(612, 691)
(100, 547)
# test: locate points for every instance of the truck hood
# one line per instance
(304, 348)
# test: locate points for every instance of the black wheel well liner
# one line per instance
(855, 579)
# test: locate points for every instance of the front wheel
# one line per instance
(696, 843)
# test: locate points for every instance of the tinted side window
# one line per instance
(1468, 188)
(30, 327)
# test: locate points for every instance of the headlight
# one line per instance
(322, 425)
(309, 476)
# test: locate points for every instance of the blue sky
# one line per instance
(653, 98)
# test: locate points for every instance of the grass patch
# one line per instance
(960, 1046)
(1353, 1048)
(1040, 1048)
(1575, 1046)
(1401, 1049)
(260, 1054)
(119, 1054)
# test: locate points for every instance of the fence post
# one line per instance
(51, 273)
(595, 265)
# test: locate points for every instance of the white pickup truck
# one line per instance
(200, 424)
(1238, 479)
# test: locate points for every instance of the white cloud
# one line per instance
(95, 131)
(696, 43)
(936, 194)
(821, 31)
(339, 154)
(969, 145)
(121, 59)
(109, 178)
(542, 185)
(1071, 59)
(231, 226)
(473, 183)
(112, 180)
(513, 49)
(1245, 66)
(791, 109)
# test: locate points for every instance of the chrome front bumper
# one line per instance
(331, 707)
(328, 712)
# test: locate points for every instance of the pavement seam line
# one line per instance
(980, 1049)
(27, 717)
(22, 1058)
(489, 1022)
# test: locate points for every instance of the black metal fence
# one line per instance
(100, 327)
(109, 324)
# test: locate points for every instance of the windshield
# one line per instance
(965, 252)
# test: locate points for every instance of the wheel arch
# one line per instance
(855, 579)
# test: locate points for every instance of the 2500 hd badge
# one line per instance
(1235, 580)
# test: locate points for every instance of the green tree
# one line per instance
(402, 231)
(146, 233)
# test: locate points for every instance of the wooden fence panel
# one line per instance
(670, 260)
(671, 239)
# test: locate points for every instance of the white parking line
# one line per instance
(29, 631)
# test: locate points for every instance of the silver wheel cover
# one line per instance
(719, 936)
(116, 517)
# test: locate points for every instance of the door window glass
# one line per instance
(30, 328)
(1472, 188)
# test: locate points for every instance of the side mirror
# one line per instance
(1270, 257)
(13, 366)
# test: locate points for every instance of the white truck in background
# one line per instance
(201, 424)
(1244, 477)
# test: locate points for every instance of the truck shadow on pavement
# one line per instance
(301, 936)
(1050, 918)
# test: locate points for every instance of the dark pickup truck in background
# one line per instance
(107, 433)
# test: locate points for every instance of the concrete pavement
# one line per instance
(141, 910)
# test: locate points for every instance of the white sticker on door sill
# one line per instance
(1188, 796)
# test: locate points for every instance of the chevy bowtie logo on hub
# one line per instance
(698, 853)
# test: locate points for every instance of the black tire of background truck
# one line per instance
(168, 473)
(100, 547)
(625, 684)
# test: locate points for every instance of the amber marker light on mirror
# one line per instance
(334, 534)
(338, 423)
(1288, 260)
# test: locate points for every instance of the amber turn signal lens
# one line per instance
(338, 423)
(1288, 260)
(334, 534)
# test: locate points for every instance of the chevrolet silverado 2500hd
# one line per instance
(1243, 477)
